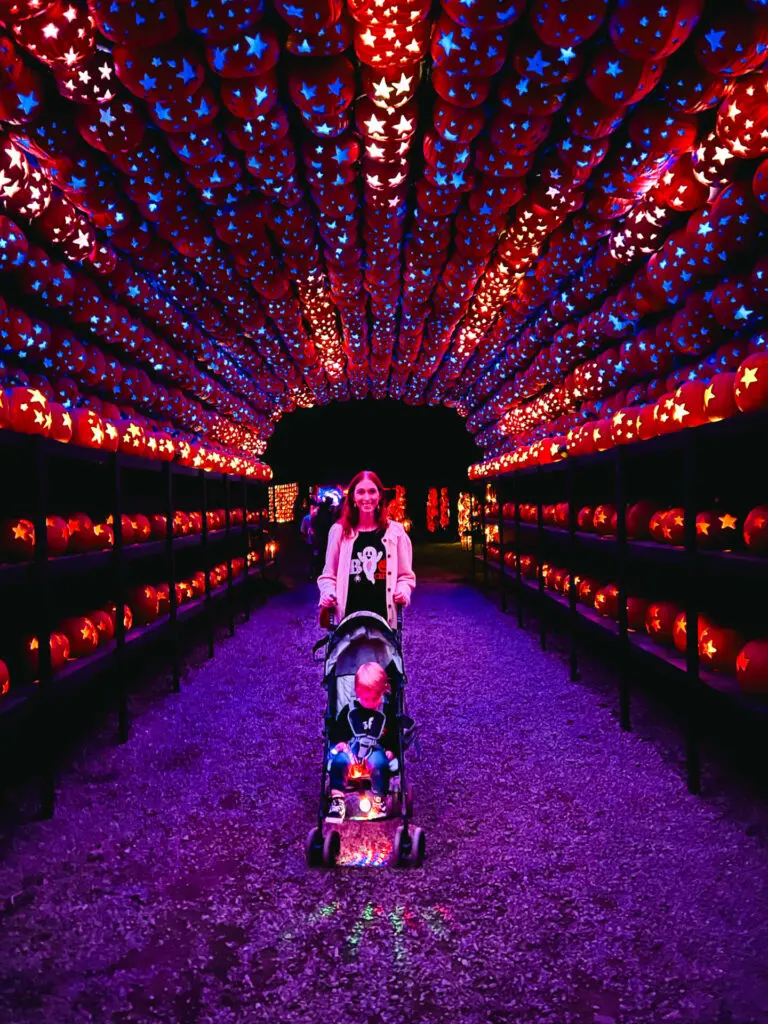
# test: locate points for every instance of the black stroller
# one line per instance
(359, 638)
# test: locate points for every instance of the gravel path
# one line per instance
(570, 878)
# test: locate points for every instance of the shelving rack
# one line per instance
(44, 475)
(691, 469)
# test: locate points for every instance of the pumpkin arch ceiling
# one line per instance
(527, 212)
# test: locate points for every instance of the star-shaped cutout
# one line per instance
(27, 102)
(536, 65)
(187, 73)
(256, 46)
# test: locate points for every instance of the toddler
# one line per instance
(362, 733)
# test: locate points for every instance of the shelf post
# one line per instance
(539, 554)
(472, 527)
(621, 572)
(46, 759)
(502, 574)
(263, 529)
(246, 550)
(206, 564)
(171, 563)
(119, 563)
(518, 579)
(483, 524)
(693, 682)
(228, 513)
(573, 614)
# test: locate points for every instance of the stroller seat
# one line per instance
(361, 637)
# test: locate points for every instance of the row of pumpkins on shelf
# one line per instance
(692, 404)
(646, 520)
(722, 650)
(29, 411)
(80, 636)
(79, 533)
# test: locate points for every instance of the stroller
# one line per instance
(364, 637)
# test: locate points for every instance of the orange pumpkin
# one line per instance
(81, 533)
(142, 531)
(104, 625)
(17, 540)
(87, 428)
(719, 648)
(752, 667)
(111, 609)
(59, 647)
(82, 635)
(158, 525)
(660, 620)
(58, 536)
(61, 423)
(29, 411)
(680, 631)
(607, 601)
(144, 603)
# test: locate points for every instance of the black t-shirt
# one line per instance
(366, 727)
(368, 574)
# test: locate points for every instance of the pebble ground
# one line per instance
(570, 878)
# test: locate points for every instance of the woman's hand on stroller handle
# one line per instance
(328, 601)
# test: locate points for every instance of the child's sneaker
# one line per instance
(379, 805)
(337, 810)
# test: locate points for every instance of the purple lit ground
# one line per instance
(570, 878)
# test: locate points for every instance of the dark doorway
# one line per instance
(401, 443)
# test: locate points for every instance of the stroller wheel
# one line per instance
(331, 848)
(418, 846)
(314, 847)
(401, 847)
(408, 849)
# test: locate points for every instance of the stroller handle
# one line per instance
(332, 619)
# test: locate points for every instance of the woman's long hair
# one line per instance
(350, 513)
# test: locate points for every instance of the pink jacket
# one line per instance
(334, 579)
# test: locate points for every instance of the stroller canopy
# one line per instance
(362, 637)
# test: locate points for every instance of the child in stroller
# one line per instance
(360, 736)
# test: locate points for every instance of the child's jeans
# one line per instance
(377, 762)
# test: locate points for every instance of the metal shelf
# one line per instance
(80, 670)
(118, 476)
(696, 575)
(724, 684)
(735, 563)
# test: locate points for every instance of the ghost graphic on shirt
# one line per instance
(369, 559)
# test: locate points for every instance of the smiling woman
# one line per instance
(368, 560)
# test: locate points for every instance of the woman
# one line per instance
(368, 561)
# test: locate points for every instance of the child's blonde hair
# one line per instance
(371, 683)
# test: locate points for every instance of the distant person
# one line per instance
(306, 525)
(299, 507)
(307, 531)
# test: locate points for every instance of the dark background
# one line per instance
(401, 443)
(417, 447)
